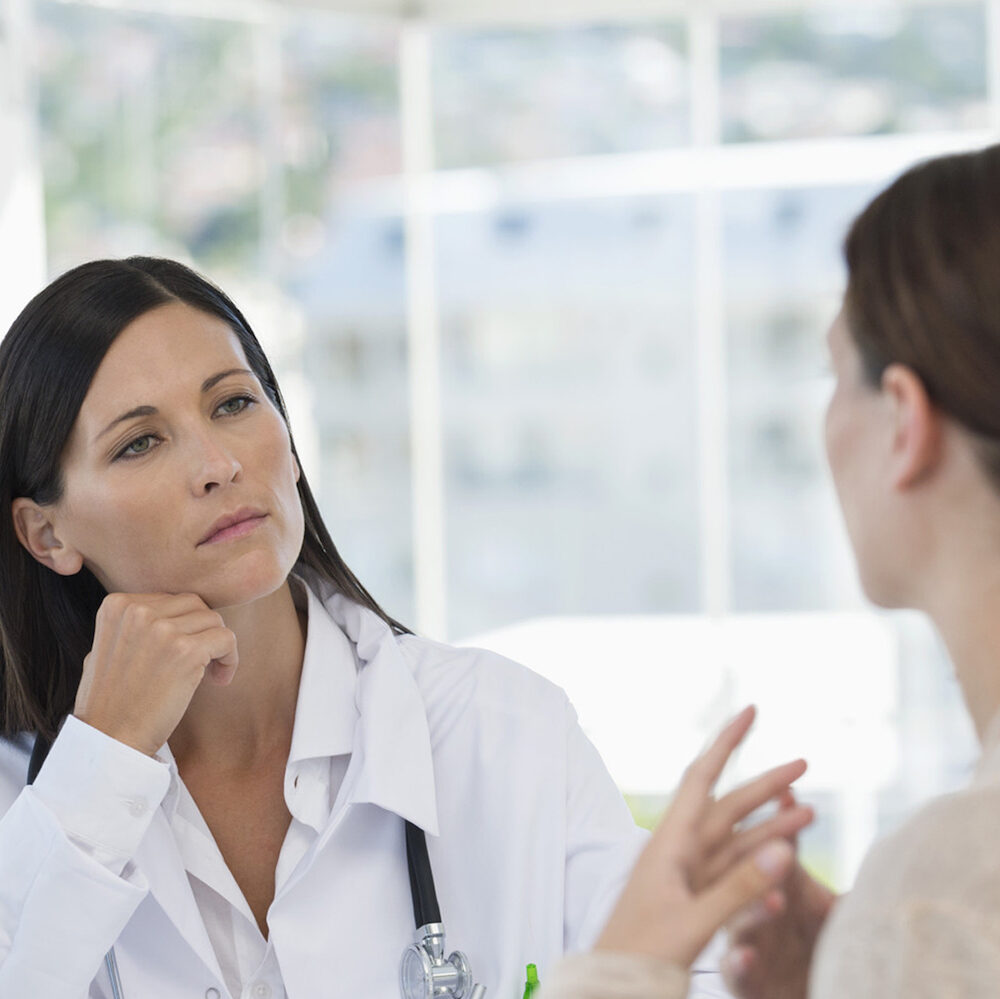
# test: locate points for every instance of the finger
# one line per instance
(742, 927)
(701, 775)
(787, 798)
(774, 902)
(201, 650)
(785, 824)
(164, 604)
(197, 621)
(172, 604)
(752, 916)
(221, 674)
(106, 629)
(736, 965)
(219, 645)
(751, 879)
(120, 612)
(739, 803)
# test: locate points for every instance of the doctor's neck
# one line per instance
(250, 720)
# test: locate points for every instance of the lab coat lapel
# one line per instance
(159, 861)
(391, 760)
(354, 880)
(391, 763)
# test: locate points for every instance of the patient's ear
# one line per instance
(917, 428)
(36, 531)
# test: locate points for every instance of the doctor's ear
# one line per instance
(35, 530)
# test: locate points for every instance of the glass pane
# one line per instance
(854, 70)
(354, 368)
(569, 408)
(784, 278)
(343, 253)
(339, 117)
(523, 94)
(150, 136)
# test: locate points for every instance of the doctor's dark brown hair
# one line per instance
(924, 288)
(47, 362)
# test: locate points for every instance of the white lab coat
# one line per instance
(528, 839)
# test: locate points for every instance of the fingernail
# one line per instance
(741, 714)
(772, 858)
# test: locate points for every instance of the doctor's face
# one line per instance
(179, 475)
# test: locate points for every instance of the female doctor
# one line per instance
(239, 732)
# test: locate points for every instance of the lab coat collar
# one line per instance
(391, 765)
(326, 712)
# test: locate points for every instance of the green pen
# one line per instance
(530, 981)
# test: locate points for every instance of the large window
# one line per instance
(854, 69)
(622, 259)
(568, 388)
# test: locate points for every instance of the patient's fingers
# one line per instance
(754, 877)
(700, 777)
(785, 824)
(738, 804)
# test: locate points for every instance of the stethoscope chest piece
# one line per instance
(425, 973)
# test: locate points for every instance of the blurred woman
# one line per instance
(913, 441)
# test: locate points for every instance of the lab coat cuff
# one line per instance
(602, 974)
(103, 793)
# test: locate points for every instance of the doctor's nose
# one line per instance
(213, 466)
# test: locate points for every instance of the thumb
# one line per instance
(748, 881)
(222, 668)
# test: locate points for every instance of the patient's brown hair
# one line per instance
(924, 287)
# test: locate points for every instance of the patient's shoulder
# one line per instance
(946, 852)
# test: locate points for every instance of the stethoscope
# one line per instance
(424, 971)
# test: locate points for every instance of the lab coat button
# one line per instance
(211, 994)
(262, 991)
(137, 807)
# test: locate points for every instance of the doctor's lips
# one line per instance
(233, 525)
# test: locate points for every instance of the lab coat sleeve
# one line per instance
(67, 888)
(602, 845)
(602, 841)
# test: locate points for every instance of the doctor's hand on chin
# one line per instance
(150, 653)
(699, 870)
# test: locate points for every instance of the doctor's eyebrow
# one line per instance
(206, 386)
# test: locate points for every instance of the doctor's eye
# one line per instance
(235, 405)
(138, 446)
